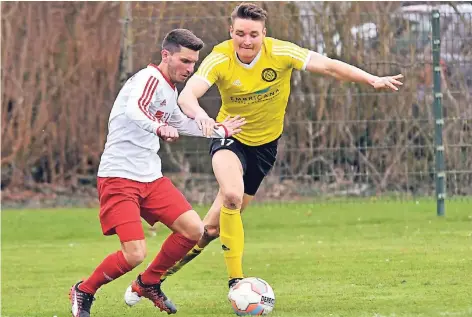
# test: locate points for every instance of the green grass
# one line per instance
(352, 259)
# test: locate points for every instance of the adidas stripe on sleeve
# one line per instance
(296, 56)
(208, 70)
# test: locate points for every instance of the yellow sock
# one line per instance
(232, 240)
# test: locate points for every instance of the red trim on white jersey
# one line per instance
(224, 128)
(165, 77)
(146, 97)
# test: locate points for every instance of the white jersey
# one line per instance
(147, 101)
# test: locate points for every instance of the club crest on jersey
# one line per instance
(159, 114)
(269, 75)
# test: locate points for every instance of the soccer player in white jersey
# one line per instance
(252, 73)
(130, 182)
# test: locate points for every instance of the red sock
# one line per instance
(110, 269)
(173, 250)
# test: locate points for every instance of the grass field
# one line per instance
(353, 259)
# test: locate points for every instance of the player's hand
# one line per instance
(233, 124)
(168, 133)
(388, 82)
(206, 124)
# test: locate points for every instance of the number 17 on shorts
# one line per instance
(226, 142)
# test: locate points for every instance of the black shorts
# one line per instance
(257, 161)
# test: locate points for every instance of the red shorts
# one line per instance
(123, 200)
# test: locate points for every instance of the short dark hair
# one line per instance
(177, 38)
(249, 11)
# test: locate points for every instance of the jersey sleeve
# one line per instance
(143, 90)
(212, 67)
(188, 126)
(291, 55)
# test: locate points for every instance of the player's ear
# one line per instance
(231, 31)
(165, 55)
(264, 31)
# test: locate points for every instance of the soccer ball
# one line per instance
(252, 296)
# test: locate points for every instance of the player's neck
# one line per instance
(247, 62)
(164, 69)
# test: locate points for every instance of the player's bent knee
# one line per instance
(135, 258)
(194, 231)
(190, 225)
(232, 199)
(134, 255)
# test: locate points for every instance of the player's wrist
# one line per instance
(224, 128)
(372, 80)
(158, 130)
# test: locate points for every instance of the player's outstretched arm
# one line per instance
(188, 126)
(188, 101)
(324, 65)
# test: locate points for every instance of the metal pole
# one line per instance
(440, 174)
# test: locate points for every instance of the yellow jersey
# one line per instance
(258, 91)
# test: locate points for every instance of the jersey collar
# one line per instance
(254, 61)
(165, 77)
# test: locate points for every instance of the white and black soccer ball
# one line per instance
(252, 296)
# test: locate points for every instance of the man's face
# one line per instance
(180, 64)
(247, 38)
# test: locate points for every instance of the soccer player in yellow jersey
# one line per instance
(252, 73)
